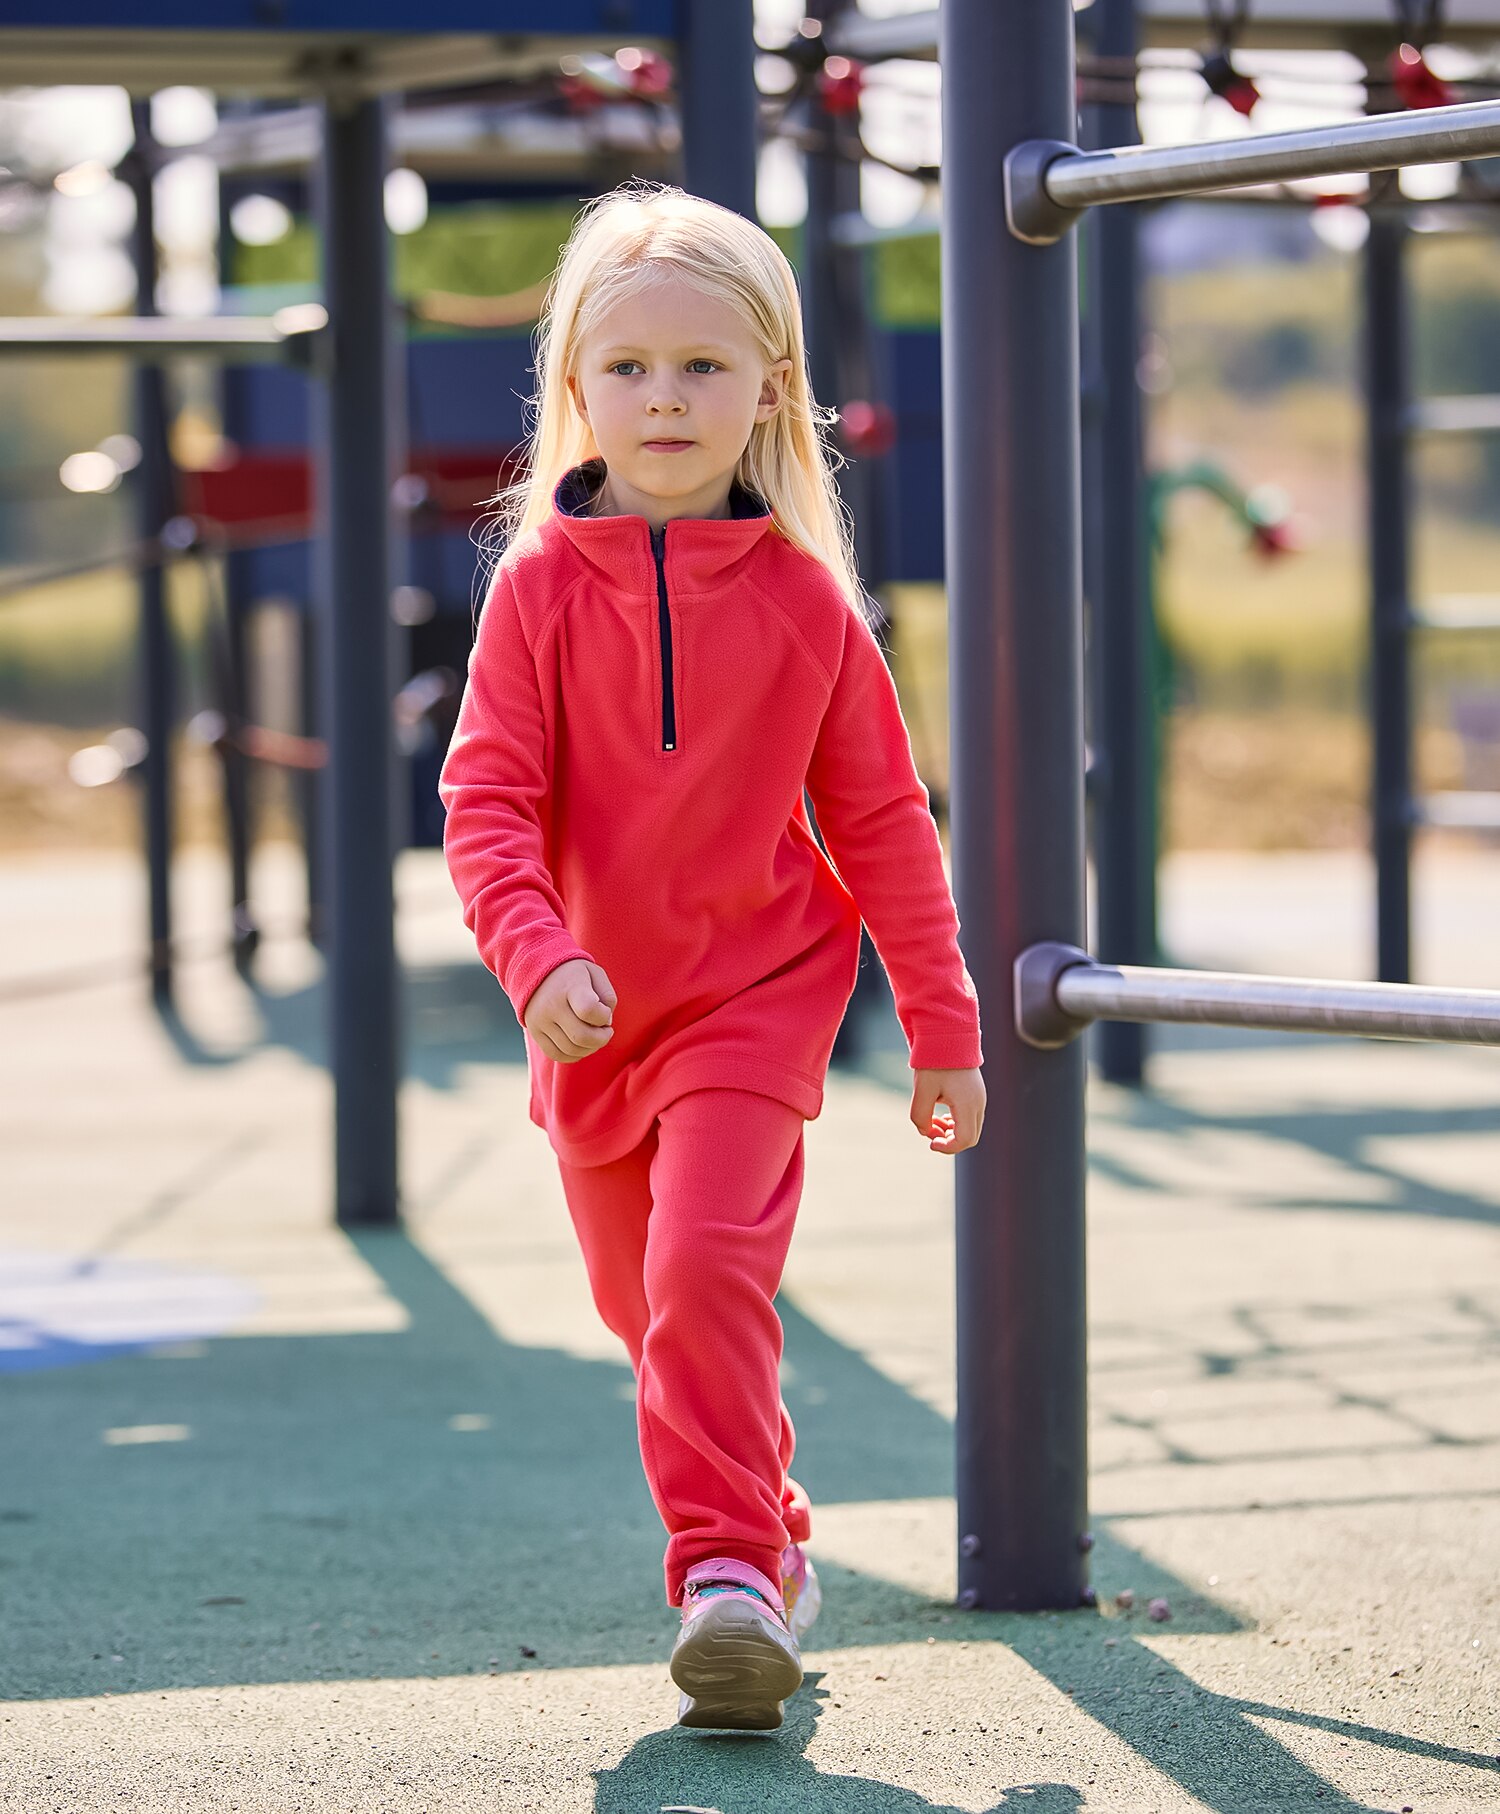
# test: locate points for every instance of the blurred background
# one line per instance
(1249, 365)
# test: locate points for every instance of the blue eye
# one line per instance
(619, 362)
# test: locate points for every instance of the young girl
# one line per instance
(673, 647)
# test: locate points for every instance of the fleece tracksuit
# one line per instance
(625, 783)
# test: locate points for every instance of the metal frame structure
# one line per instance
(1185, 24)
(1060, 990)
(350, 71)
(1012, 525)
(1048, 184)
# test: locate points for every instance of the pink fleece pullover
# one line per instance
(625, 784)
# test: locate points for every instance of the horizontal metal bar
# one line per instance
(1469, 415)
(290, 334)
(1049, 183)
(1061, 989)
(1459, 811)
(1179, 25)
(1458, 611)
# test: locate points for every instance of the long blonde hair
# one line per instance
(616, 240)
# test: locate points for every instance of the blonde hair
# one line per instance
(618, 239)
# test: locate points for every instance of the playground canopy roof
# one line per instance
(303, 47)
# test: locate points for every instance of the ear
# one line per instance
(773, 389)
(575, 391)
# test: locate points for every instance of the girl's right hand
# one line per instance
(571, 1010)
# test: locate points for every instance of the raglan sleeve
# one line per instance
(493, 785)
(874, 815)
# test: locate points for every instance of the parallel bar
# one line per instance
(289, 334)
(1220, 998)
(1459, 811)
(1458, 611)
(1180, 25)
(1467, 415)
(1012, 513)
(1419, 135)
(1048, 182)
(1069, 984)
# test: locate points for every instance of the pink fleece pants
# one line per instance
(684, 1240)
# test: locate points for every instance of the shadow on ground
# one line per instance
(733, 1773)
(326, 1521)
(324, 1518)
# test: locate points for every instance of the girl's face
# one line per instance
(670, 364)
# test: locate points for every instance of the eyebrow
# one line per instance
(702, 346)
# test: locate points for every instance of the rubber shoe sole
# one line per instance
(735, 1666)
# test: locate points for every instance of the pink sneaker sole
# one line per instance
(735, 1665)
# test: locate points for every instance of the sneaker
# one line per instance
(800, 1592)
(735, 1658)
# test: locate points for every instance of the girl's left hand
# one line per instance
(964, 1094)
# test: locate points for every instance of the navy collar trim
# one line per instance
(577, 488)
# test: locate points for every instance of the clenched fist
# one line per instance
(570, 1011)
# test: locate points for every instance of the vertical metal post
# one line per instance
(719, 103)
(311, 783)
(1387, 389)
(837, 324)
(355, 657)
(239, 776)
(1012, 512)
(154, 503)
(1122, 817)
(838, 365)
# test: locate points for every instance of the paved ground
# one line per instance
(292, 1519)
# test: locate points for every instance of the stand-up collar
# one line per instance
(699, 550)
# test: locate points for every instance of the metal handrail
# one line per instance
(294, 333)
(1049, 182)
(1060, 989)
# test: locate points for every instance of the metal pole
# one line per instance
(1011, 520)
(1048, 181)
(355, 658)
(153, 489)
(835, 355)
(1059, 989)
(1386, 392)
(286, 338)
(312, 784)
(1123, 833)
(239, 781)
(718, 102)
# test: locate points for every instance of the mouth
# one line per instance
(666, 446)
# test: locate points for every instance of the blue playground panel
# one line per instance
(911, 360)
(466, 392)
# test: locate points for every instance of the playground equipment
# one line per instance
(1012, 444)
(1389, 40)
(349, 62)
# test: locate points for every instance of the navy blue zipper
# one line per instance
(664, 623)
